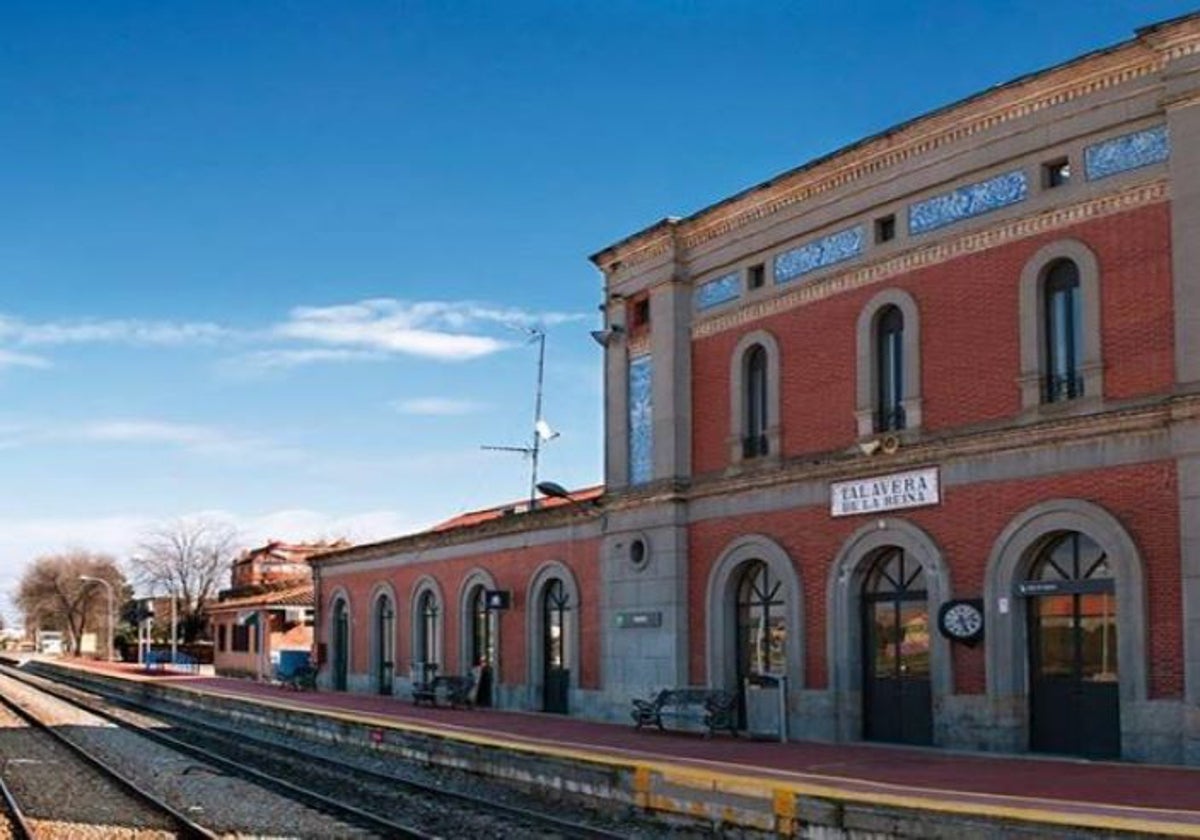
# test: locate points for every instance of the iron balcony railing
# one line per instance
(1060, 387)
(755, 446)
(889, 419)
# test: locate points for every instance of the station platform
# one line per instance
(763, 785)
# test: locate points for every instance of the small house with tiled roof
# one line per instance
(268, 608)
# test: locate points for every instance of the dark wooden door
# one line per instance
(341, 647)
(897, 698)
(556, 677)
(1074, 703)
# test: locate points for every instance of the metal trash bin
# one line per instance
(766, 705)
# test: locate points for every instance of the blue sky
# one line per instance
(270, 261)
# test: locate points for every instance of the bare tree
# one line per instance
(190, 559)
(52, 595)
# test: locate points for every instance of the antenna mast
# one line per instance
(533, 450)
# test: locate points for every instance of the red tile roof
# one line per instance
(463, 520)
(298, 595)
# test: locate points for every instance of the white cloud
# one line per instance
(446, 331)
(266, 360)
(10, 359)
(436, 406)
(99, 331)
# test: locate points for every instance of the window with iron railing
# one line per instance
(1063, 333)
(754, 441)
(889, 361)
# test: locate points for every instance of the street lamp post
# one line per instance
(108, 587)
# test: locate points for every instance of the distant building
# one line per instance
(913, 428)
(267, 609)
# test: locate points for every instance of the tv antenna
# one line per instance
(541, 429)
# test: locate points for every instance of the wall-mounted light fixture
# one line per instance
(605, 336)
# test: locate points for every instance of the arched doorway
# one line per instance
(897, 696)
(761, 632)
(341, 645)
(556, 675)
(1074, 701)
(481, 650)
(384, 643)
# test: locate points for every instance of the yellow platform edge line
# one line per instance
(716, 779)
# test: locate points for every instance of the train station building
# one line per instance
(906, 439)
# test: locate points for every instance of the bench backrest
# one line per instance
(694, 697)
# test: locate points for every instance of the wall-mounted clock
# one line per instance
(961, 620)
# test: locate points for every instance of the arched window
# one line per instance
(754, 441)
(1062, 305)
(889, 369)
(427, 635)
(762, 626)
(754, 408)
(1061, 353)
(887, 395)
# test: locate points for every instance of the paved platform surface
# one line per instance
(1155, 799)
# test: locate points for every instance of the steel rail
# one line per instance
(571, 828)
(187, 827)
(374, 822)
(22, 829)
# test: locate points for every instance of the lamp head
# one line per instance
(605, 336)
(553, 490)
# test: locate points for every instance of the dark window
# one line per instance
(889, 361)
(754, 441)
(885, 228)
(1057, 173)
(241, 639)
(755, 276)
(1064, 339)
(221, 638)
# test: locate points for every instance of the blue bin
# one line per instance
(290, 661)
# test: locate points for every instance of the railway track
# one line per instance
(54, 787)
(437, 808)
(13, 822)
(150, 774)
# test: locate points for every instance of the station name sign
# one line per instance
(897, 491)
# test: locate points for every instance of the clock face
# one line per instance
(962, 620)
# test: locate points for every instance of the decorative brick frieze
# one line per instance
(966, 202)
(826, 251)
(878, 272)
(723, 289)
(1130, 151)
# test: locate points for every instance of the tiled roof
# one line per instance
(300, 595)
(475, 517)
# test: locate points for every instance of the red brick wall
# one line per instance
(970, 340)
(965, 527)
(512, 570)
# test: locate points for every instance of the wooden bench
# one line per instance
(715, 708)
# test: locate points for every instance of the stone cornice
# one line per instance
(1145, 418)
(922, 257)
(1144, 56)
(1152, 416)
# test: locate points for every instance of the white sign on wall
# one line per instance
(886, 492)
